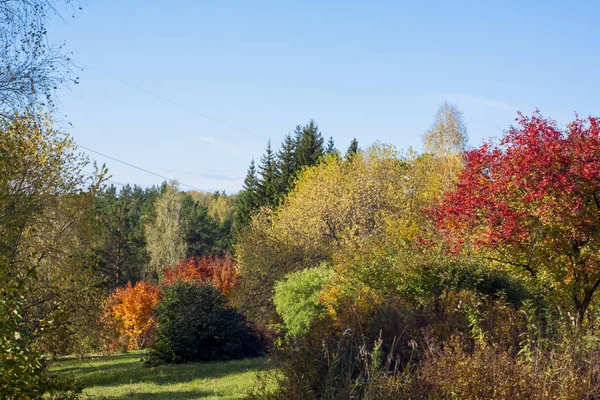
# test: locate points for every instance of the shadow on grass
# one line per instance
(179, 395)
(128, 369)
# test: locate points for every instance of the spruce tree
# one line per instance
(286, 164)
(269, 177)
(248, 200)
(352, 150)
(330, 146)
(309, 145)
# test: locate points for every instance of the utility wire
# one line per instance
(139, 168)
(172, 102)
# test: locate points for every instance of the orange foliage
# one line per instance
(220, 271)
(130, 309)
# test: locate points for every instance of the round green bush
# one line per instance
(296, 298)
(195, 323)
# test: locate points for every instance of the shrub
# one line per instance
(129, 308)
(296, 298)
(195, 323)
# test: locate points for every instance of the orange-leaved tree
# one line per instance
(219, 271)
(130, 309)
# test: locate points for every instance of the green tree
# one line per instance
(352, 150)
(309, 145)
(330, 146)
(269, 178)
(248, 199)
(286, 163)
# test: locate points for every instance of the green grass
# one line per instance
(123, 376)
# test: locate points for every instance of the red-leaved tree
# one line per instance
(219, 271)
(533, 200)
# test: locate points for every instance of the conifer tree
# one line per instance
(248, 200)
(330, 146)
(309, 145)
(269, 176)
(352, 150)
(286, 163)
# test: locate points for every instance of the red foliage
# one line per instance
(220, 271)
(536, 194)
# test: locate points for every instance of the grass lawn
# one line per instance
(123, 376)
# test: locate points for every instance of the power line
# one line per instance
(107, 180)
(139, 168)
(172, 102)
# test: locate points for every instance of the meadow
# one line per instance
(123, 376)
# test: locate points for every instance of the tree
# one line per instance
(165, 235)
(30, 68)
(532, 201)
(333, 207)
(286, 163)
(309, 144)
(330, 146)
(130, 309)
(448, 134)
(269, 178)
(248, 200)
(45, 199)
(352, 150)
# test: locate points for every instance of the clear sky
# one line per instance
(374, 70)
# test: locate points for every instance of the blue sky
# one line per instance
(372, 70)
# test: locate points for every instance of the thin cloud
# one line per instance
(218, 176)
(221, 144)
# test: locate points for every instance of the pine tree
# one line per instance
(352, 150)
(269, 177)
(248, 200)
(286, 163)
(309, 145)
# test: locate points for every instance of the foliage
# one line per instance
(218, 271)
(296, 298)
(532, 201)
(448, 134)
(165, 234)
(130, 308)
(196, 324)
(41, 272)
(249, 200)
(335, 206)
(120, 247)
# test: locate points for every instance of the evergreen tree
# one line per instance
(269, 178)
(352, 150)
(200, 230)
(248, 200)
(330, 146)
(286, 163)
(309, 145)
